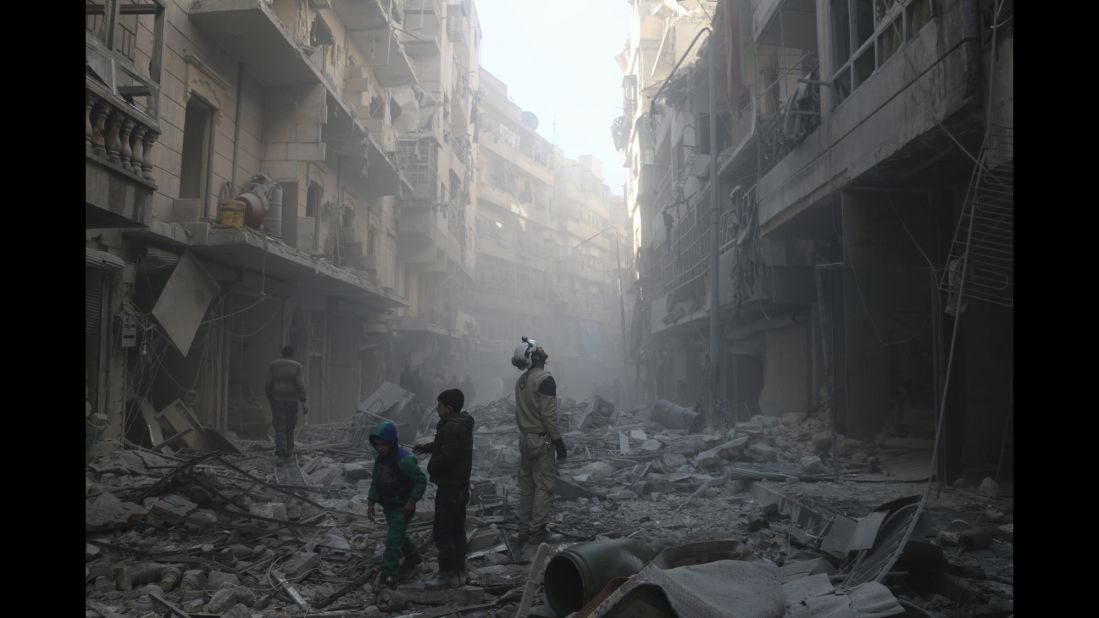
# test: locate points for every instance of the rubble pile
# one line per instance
(206, 533)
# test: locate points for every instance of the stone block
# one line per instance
(218, 580)
(651, 446)
(358, 470)
(270, 510)
(812, 465)
(708, 459)
(733, 448)
(761, 452)
(672, 461)
(300, 563)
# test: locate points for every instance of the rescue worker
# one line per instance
(539, 438)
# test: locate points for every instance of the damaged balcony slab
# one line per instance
(250, 31)
(249, 249)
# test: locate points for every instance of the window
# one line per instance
(867, 33)
(313, 199)
(197, 133)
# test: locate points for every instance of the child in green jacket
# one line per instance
(397, 484)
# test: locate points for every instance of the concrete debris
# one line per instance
(708, 459)
(672, 461)
(270, 510)
(232, 538)
(171, 509)
(357, 470)
(106, 512)
(850, 446)
(811, 464)
(989, 488)
(761, 452)
(733, 448)
(222, 600)
(822, 441)
(217, 580)
(300, 563)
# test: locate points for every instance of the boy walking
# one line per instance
(450, 465)
(397, 484)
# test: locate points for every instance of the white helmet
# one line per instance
(521, 356)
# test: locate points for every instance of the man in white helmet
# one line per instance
(539, 440)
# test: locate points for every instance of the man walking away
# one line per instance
(285, 388)
(449, 468)
(468, 390)
(397, 484)
(536, 415)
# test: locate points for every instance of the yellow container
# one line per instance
(231, 213)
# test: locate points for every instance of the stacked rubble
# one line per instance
(230, 534)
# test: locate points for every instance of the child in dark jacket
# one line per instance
(397, 484)
(450, 466)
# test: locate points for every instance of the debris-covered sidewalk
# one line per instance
(647, 501)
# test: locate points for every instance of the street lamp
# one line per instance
(621, 305)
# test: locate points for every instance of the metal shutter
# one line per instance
(93, 303)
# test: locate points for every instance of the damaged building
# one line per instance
(247, 189)
(864, 190)
(784, 357)
(548, 234)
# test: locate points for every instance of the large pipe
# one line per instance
(673, 416)
(574, 576)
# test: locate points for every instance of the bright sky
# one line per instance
(557, 59)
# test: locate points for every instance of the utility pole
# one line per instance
(715, 240)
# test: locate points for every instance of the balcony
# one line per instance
(424, 237)
(249, 31)
(422, 28)
(491, 137)
(119, 134)
(418, 161)
(372, 27)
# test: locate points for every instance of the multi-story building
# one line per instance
(866, 209)
(190, 104)
(545, 252)
(435, 137)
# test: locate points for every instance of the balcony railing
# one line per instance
(118, 133)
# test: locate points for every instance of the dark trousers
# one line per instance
(450, 525)
(284, 415)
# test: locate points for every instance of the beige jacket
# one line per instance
(536, 403)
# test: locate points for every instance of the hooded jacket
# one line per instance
(452, 450)
(397, 477)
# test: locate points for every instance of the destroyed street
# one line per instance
(591, 308)
(229, 533)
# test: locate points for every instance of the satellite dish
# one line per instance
(530, 121)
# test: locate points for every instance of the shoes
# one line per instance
(445, 579)
(543, 536)
(409, 564)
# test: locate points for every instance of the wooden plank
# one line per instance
(532, 580)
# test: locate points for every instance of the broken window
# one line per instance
(132, 33)
(867, 33)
